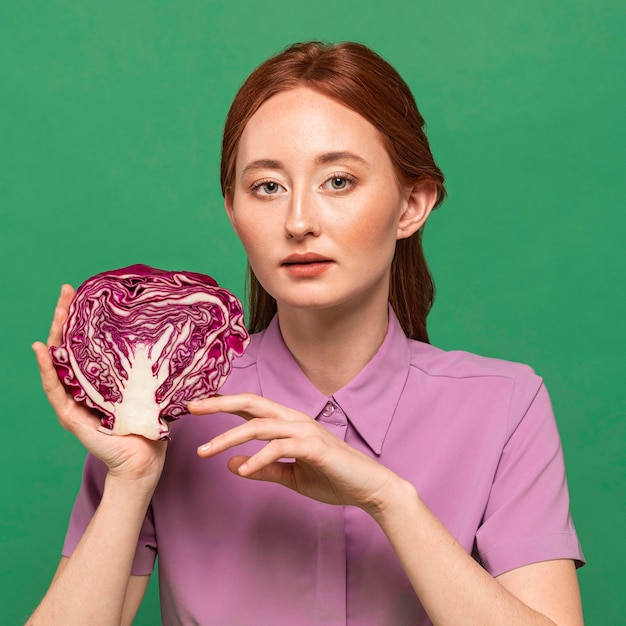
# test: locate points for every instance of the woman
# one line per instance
(391, 482)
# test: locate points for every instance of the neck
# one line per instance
(332, 346)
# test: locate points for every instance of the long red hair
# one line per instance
(360, 79)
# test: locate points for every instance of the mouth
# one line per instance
(306, 265)
(305, 259)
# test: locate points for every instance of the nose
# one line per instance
(302, 219)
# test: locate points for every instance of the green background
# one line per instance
(111, 116)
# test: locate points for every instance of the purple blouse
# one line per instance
(476, 436)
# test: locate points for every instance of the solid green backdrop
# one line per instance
(111, 117)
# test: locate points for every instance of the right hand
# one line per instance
(131, 457)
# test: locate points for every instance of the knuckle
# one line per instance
(275, 449)
(247, 400)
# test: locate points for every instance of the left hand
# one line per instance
(324, 468)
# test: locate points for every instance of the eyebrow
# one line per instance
(342, 155)
(261, 164)
(322, 159)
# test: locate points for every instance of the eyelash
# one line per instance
(350, 180)
(256, 186)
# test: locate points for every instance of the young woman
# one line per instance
(375, 479)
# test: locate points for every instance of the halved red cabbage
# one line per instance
(139, 343)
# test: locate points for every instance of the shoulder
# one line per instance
(458, 364)
(490, 386)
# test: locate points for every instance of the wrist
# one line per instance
(138, 490)
(398, 496)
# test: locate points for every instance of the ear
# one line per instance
(418, 204)
(228, 205)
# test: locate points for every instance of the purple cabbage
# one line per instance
(139, 343)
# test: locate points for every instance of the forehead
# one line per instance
(303, 120)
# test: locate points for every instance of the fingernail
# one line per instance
(205, 448)
(243, 468)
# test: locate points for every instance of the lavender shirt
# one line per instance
(476, 436)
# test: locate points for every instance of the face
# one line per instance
(316, 203)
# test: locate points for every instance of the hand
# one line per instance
(129, 456)
(324, 468)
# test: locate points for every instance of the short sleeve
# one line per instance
(527, 518)
(85, 505)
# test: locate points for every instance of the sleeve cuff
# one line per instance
(532, 550)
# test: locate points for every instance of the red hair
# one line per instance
(361, 80)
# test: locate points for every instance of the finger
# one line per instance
(255, 430)
(60, 315)
(55, 334)
(245, 405)
(54, 390)
(66, 295)
(279, 472)
(60, 400)
(288, 442)
(277, 450)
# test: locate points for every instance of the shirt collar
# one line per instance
(369, 400)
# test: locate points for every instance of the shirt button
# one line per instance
(328, 410)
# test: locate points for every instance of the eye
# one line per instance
(270, 187)
(265, 188)
(340, 182)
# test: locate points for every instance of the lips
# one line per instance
(305, 258)
(307, 265)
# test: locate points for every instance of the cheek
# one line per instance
(252, 243)
(260, 248)
(250, 232)
(374, 228)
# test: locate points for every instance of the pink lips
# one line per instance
(306, 265)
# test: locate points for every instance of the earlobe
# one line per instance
(418, 205)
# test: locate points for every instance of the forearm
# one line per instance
(453, 588)
(91, 587)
